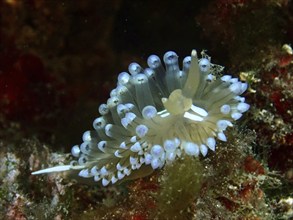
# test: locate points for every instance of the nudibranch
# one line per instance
(156, 115)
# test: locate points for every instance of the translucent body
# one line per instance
(156, 115)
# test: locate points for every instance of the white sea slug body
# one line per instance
(156, 115)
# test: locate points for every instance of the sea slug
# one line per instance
(156, 115)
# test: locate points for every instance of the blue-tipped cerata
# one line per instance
(156, 115)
